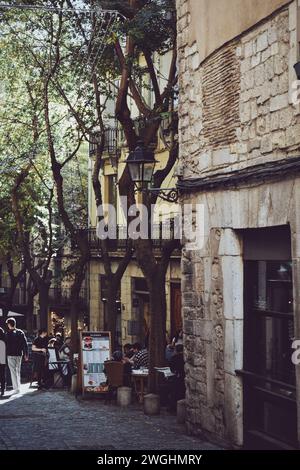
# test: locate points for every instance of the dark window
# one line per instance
(269, 389)
(270, 412)
(140, 284)
(112, 190)
(270, 320)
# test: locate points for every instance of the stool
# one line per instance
(124, 396)
(181, 411)
(151, 404)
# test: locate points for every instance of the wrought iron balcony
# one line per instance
(19, 297)
(110, 141)
(140, 126)
(114, 137)
(120, 242)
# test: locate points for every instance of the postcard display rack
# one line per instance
(95, 350)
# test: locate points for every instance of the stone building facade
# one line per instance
(239, 158)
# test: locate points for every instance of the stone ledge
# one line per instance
(255, 173)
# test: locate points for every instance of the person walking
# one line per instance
(16, 347)
(2, 361)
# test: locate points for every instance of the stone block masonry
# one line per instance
(221, 82)
(237, 102)
(235, 111)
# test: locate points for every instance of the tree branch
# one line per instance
(152, 73)
(172, 79)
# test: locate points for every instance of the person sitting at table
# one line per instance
(65, 354)
(140, 358)
(65, 350)
(177, 388)
(178, 338)
(59, 339)
(53, 343)
(39, 349)
(128, 351)
(118, 357)
(170, 349)
(52, 355)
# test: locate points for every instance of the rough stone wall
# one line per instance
(204, 346)
(221, 90)
(267, 128)
(212, 285)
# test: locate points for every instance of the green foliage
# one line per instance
(25, 58)
(81, 49)
(153, 27)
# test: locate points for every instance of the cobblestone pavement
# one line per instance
(57, 420)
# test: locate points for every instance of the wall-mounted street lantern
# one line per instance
(141, 163)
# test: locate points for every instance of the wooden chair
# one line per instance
(57, 367)
(115, 377)
(115, 373)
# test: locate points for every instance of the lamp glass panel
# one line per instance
(135, 173)
(148, 171)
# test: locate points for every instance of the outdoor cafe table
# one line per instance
(140, 378)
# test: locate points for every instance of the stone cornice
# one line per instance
(278, 169)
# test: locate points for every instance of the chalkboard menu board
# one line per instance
(95, 350)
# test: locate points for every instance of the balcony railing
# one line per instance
(141, 124)
(110, 141)
(115, 136)
(113, 244)
(140, 127)
(19, 297)
(159, 234)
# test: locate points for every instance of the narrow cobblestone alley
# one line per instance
(57, 420)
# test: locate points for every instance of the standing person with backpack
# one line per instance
(2, 361)
(16, 347)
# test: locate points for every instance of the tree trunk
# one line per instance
(29, 316)
(157, 294)
(44, 304)
(155, 274)
(112, 310)
(75, 302)
(74, 321)
(32, 291)
(12, 290)
(75, 295)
